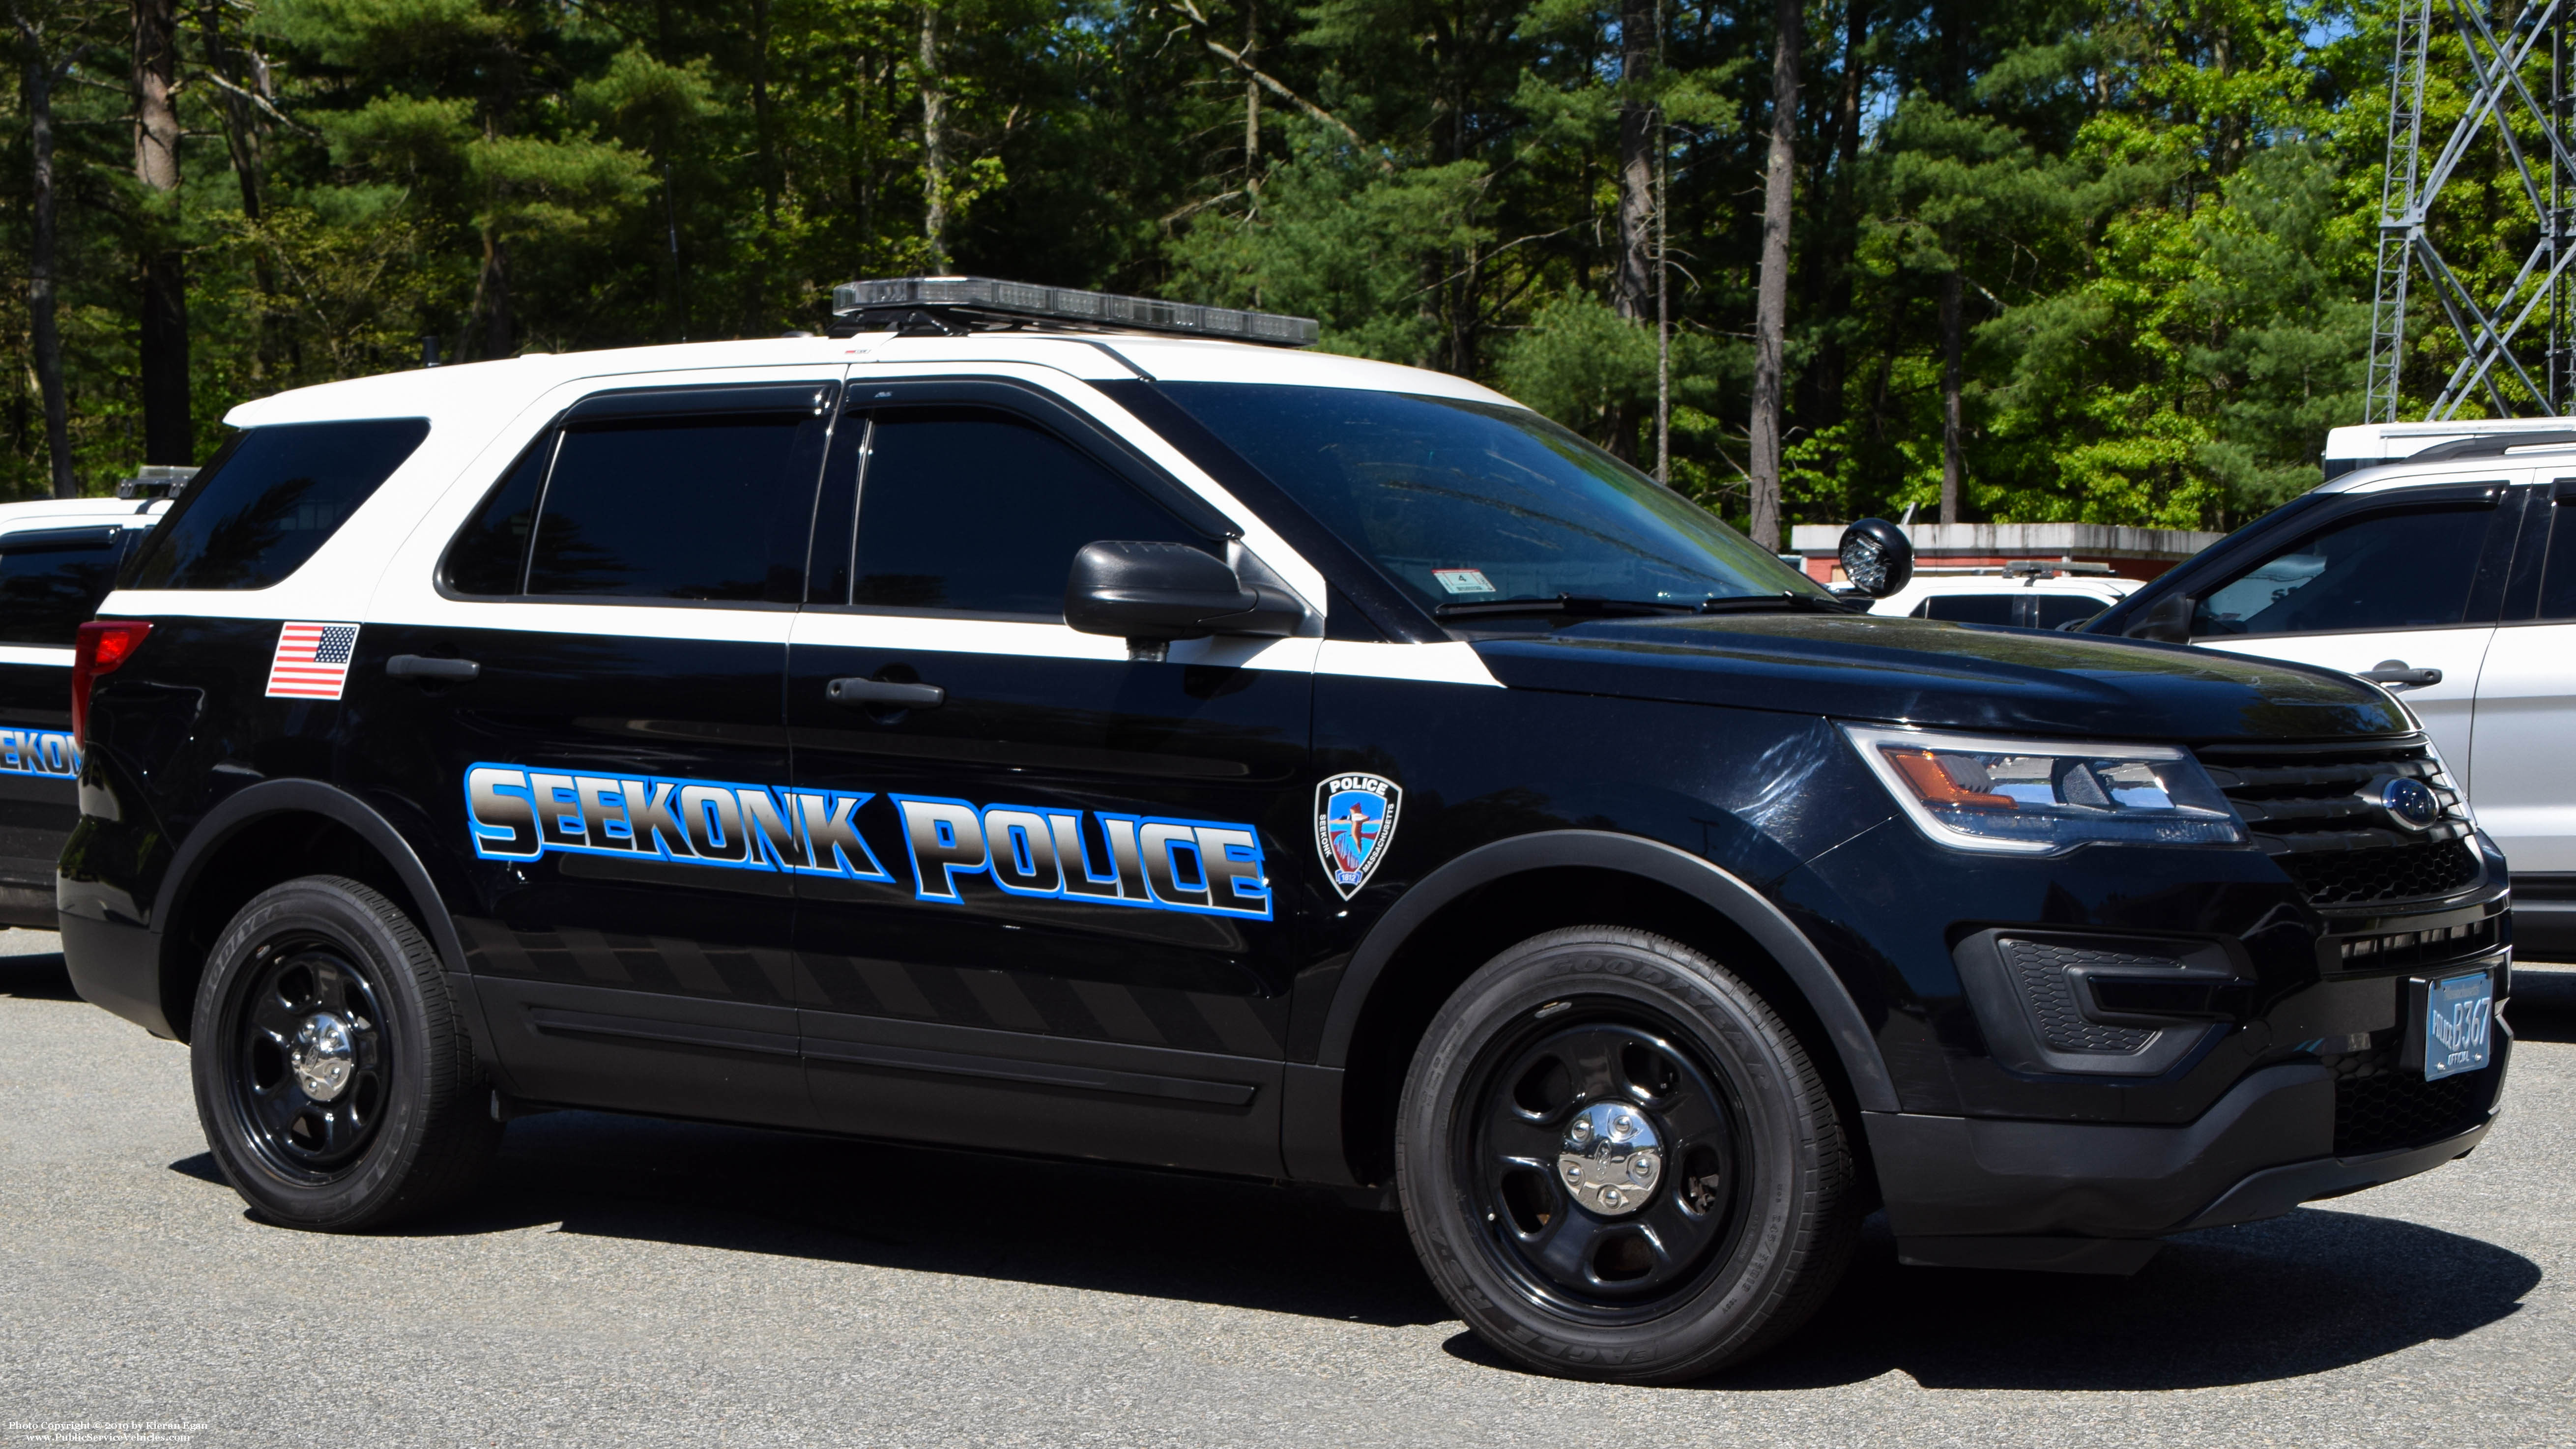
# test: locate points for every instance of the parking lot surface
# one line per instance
(624, 1281)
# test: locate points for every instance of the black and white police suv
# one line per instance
(58, 558)
(1014, 725)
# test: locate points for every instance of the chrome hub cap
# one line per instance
(323, 1056)
(1611, 1159)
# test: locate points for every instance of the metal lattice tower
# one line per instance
(2516, 349)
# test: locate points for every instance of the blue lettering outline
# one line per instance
(947, 894)
(1208, 877)
(1236, 883)
(1043, 836)
(45, 754)
(518, 782)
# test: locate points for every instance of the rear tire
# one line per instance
(337, 1086)
(1613, 1263)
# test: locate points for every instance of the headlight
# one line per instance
(2034, 797)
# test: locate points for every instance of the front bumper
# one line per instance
(2086, 1197)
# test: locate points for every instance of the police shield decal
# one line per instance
(1354, 825)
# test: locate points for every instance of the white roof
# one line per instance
(2108, 589)
(2387, 442)
(487, 388)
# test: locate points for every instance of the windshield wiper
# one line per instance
(1567, 605)
(1794, 602)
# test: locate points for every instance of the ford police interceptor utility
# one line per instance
(58, 558)
(1014, 725)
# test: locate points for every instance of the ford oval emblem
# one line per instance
(2409, 802)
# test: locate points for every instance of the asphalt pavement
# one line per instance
(624, 1281)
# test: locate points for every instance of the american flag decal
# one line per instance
(312, 660)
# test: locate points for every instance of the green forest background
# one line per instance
(2153, 220)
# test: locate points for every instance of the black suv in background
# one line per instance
(1210, 756)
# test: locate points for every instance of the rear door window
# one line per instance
(52, 579)
(272, 498)
(2399, 569)
(700, 507)
(2056, 611)
(1969, 608)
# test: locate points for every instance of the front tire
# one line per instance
(1617, 1162)
(337, 1086)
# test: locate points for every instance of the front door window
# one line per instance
(2408, 592)
(2402, 569)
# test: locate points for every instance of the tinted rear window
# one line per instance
(51, 585)
(2055, 611)
(1969, 608)
(711, 508)
(269, 500)
(490, 556)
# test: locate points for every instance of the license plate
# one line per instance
(2458, 1013)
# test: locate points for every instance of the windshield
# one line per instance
(1465, 503)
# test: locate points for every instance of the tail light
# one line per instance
(103, 648)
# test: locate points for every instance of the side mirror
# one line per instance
(2166, 621)
(1877, 557)
(1152, 593)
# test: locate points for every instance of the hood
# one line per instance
(1948, 676)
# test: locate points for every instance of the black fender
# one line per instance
(248, 806)
(1854, 1044)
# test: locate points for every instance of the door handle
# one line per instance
(421, 666)
(2395, 674)
(885, 692)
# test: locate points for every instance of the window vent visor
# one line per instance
(797, 399)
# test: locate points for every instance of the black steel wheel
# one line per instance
(1615, 1248)
(336, 1084)
(309, 1060)
(1618, 1162)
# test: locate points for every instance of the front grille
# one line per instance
(2380, 1106)
(2040, 970)
(2401, 873)
(2304, 806)
(2397, 950)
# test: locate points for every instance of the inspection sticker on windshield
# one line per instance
(2456, 1017)
(1464, 581)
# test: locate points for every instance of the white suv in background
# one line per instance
(2035, 594)
(2439, 560)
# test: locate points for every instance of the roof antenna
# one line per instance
(1908, 520)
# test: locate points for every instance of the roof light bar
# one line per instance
(964, 303)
